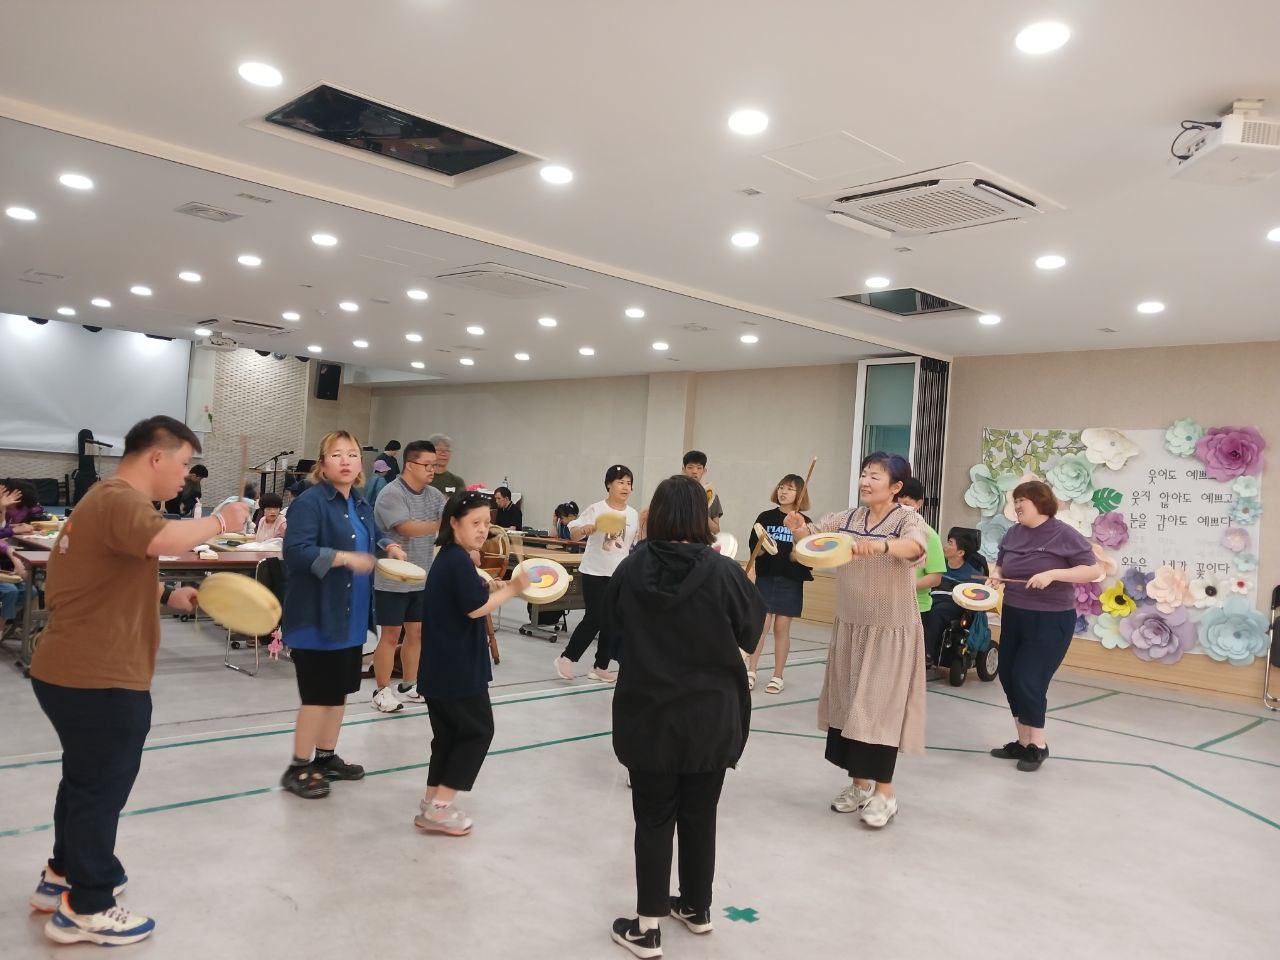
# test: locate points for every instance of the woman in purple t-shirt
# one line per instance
(1040, 560)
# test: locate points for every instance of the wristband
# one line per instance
(221, 523)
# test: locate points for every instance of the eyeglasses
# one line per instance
(418, 463)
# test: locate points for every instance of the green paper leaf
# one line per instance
(1107, 499)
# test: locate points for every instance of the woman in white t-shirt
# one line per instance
(604, 553)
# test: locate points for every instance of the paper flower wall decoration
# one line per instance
(1081, 627)
(1105, 445)
(1111, 530)
(983, 493)
(1241, 586)
(1246, 511)
(1236, 540)
(1246, 487)
(1236, 633)
(1107, 629)
(1180, 439)
(1135, 583)
(1230, 452)
(1107, 562)
(1107, 499)
(992, 530)
(1211, 591)
(1116, 602)
(1072, 478)
(1087, 599)
(1158, 636)
(1079, 516)
(1246, 562)
(1008, 482)
(1169, 589)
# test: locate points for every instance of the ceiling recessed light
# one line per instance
(314, 348)
(989, 319)
(1051, 261)
(876, 283)
(20, 213)
(413, 337)
(547, 321)
(324, 239)
(749, 338)
(745, 238)
(748, 122)
(522, 357)
(556, 174)
(190, 276)
(466, 361)
(349, 305)
(1274, 235)
(635, 313)
(1042, 37)
(1151, 306)
(291, 315)
(76, 181)
(67, 311)
(250, 260)
(416, 294)
(140, 290)
(100, 302)
(203, 332)
(261, 74)
(360, 343)
(475, 331)
(661, 345)
(417, 364)
(587, 351)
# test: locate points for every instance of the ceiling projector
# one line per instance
(1239, 148)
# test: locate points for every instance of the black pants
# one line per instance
(461, 731)
(102, 733)
(665, 804)
(1033, 644)
(594, 620)
(862, 761)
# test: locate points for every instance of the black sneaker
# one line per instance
(627, 933)
(1032, 758)
(305, 781)
(335, 768)
(698, 921)
(1012, 750)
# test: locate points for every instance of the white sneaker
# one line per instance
(408, 693)
(111, 927)
(52, 886)
(385, 700)
(603, 675)
(851, 799)
(879, 810)
(448, 820)
(564, 668)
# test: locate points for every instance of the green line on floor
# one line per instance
(1220, 799)
(1235, 733)
(1077, 703)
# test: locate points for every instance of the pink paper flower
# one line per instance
(1088, 599)
(1230, 452)
(1170, 590)
(1160, 637)
(1111, 530)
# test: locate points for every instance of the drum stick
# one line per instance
(755, 552)
(807, 477)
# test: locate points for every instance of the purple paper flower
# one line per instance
(1236, 539)
(1159, 637)
(1135, 584)
(1230, 452)
(1088, 599)
(1110, 530)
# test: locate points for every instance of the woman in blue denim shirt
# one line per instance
(328, 608)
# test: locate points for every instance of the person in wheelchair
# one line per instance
(964, 565)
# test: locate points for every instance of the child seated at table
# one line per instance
(564, 513)
(273, 521)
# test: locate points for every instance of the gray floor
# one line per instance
(1154, 830)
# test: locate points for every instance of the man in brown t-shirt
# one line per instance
(92, 671)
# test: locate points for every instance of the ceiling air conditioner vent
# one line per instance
(502, 281)
(241, 325)
(904, 303)
(205, 212)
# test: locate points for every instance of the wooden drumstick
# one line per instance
(755, 552)
(807, 477)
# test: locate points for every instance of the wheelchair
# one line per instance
(964, 642)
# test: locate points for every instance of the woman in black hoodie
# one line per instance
(681, 711)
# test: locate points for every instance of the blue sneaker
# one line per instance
(111, 927)
(52, 886)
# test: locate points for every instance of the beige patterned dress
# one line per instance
(873, 690)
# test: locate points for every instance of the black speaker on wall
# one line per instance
(328, 379)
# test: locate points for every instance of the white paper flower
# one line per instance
(1246, 487)
(1242, 586)
(1210, 591)
(1109, 446)
(1106, 627)
(1078, 515)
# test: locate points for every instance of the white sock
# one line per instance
(648, 923)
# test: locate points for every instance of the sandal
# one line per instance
(751, 679)
(775, 685)
(306, 782)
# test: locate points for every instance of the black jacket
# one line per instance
(686, 614)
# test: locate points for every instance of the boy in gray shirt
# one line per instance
(408, 511)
